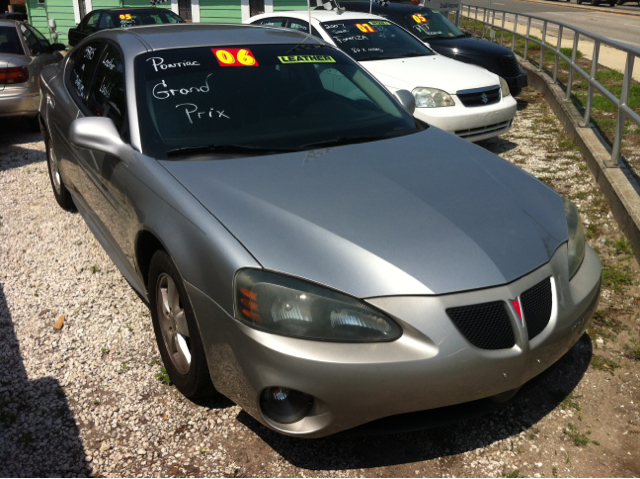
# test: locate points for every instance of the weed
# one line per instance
(129, 327)
(96, 403)
(579, 438)
(622, 246)
(554, 471)
(604, 364)
(94, 269)
(25, 439)
(154, 362)
(35, 294)
(163, 377)
(616, 278)
(105, 350)
(633, 351)
(514, 473)
(569, 402)
(124, 366)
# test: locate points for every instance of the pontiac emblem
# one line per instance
(484, 98)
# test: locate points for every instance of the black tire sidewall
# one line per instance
(63, 199)
(196, 382)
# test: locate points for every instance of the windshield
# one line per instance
(429, 25)
(259, 97)
(9, 41)
(374, 40)
(124, 19)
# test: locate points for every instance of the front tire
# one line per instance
(60, 192)
(176, 329)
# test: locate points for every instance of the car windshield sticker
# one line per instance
(126, 16)
(235, 57)
(307, 59)
(365, 27)
(419, 18)
(379, 22)
(159, 64)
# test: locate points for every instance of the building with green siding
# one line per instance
(68, 13)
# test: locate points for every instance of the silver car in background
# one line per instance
(305, 245)
(24, 52)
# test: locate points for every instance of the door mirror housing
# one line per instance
(99, 134)
(406, 99)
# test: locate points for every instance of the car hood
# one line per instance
(421, 214)
(468, 47)
(433, 71)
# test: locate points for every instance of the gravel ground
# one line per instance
(85, 400)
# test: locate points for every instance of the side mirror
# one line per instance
(406, 99)
(57, 47)
(99, 134)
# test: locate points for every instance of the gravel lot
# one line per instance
(85, 400)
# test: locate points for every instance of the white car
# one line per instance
(463, 99)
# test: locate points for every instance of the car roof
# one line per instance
(6, 22)
(323, 15)
(184, 35)
(393, 7)
(128, 9)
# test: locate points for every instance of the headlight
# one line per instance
(292, 307)
(432, 98)
(576, 237)
(504, 87)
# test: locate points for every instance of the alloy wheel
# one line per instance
(173, 323)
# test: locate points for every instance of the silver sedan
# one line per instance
(305, 244)
(24, 51)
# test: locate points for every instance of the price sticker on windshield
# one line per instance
(365, 27)
(235, 57)
(126, 16)
(419, 18)
(379, 22)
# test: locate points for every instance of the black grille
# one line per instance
(486, 325)
(492, 95)
(536, 305)
(508, 66)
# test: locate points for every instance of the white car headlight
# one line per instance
(432, 98)
(504, 87)
(576, 237)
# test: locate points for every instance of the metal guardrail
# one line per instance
(488, 18)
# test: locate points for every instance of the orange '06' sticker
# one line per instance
(126, 16)
(235, 57)
(365, 27)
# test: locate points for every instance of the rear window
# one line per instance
(429, 25)
(124, 19)
(374, 40)
(9, 41)
(280, 97)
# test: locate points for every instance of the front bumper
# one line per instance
(432, 365)
(517, 83)
(472, 123)
(16, 101)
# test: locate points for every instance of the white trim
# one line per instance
(174, 7)
(76, 11)
(268, 6)
(88, 5)
(244, 10)
(195, 11)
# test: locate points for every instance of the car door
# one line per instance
(106, 98)
(66, 107)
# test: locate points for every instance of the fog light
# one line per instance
(285, 405)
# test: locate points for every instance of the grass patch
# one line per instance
(579, 438)
(632, 351)
(163, 377)
(514, 473)
(604, 364)
(616, 278)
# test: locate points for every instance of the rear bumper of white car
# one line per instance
(472, 123)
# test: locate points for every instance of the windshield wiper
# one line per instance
(412, 54)
(373, 57)
(194, 150)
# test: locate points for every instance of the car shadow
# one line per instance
(14, 133)
(38, 434)
(497, 145)
(382, 449)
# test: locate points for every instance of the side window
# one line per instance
(106, 21)
(83, 64)
(272, 22)
(35, 47)
(107, 93)
(334, 81)
(92, 22)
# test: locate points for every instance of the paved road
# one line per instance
(609, 22)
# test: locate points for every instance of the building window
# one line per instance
(184, 9)
(256, 7)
